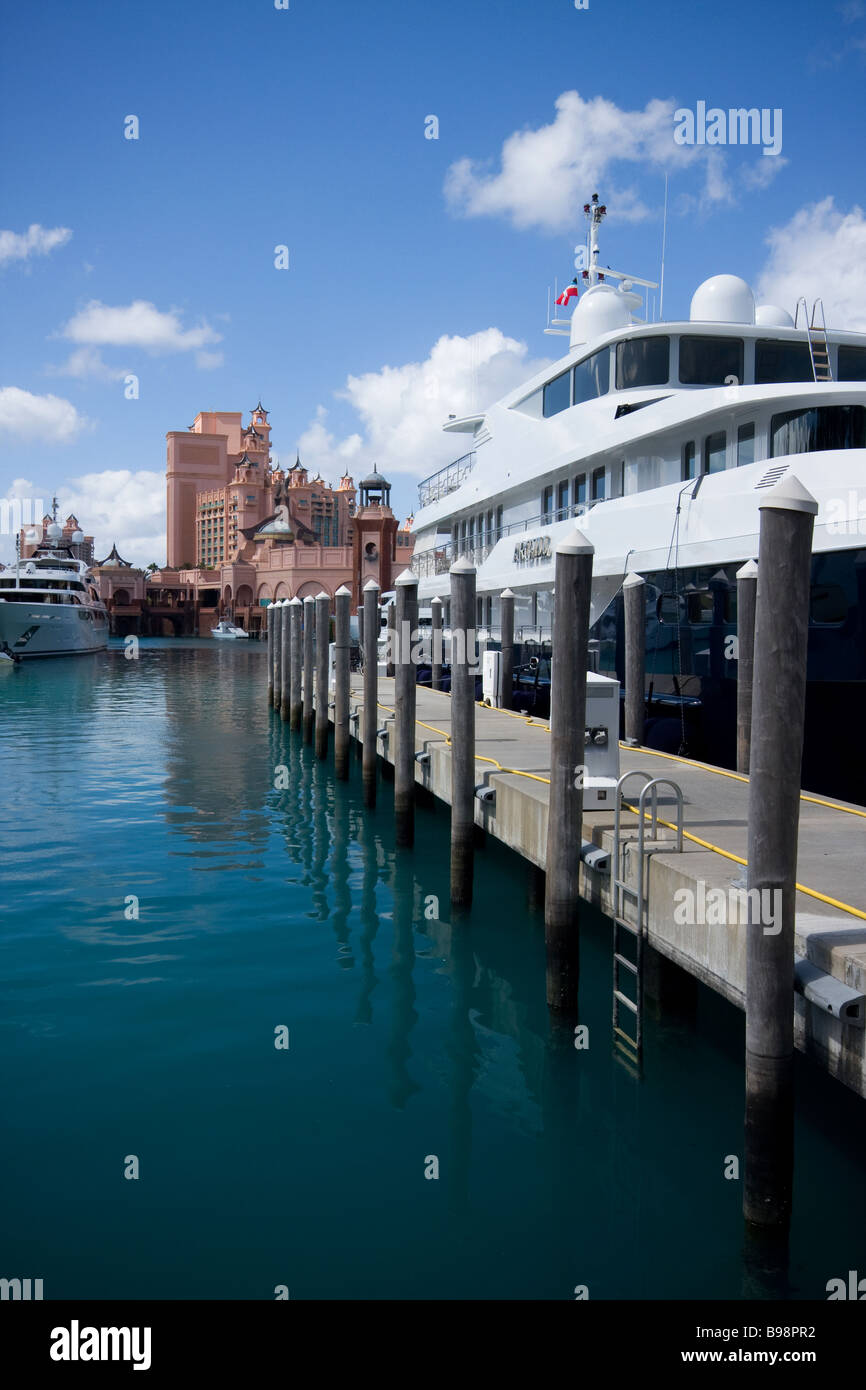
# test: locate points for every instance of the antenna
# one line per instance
(664, 240)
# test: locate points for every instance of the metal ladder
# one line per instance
(816, 336)
(630, 1044)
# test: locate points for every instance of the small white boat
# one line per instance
(225, 629)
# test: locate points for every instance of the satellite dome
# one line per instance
(77, 537)
(601, 309)
(723, 299)
(53, 532)
(772, 316)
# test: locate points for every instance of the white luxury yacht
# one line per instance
(659, 440)
(49, 605)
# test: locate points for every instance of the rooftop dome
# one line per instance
(723, 299)
(772, 316)
(601, 309)
(375, 479)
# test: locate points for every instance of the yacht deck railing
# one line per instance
(439, 559)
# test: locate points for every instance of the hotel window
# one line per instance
(710, 361)
(579, 490)
(642, 362)
(715, 452)
(557, 394)
(547, 505)
(690, 467)
(592, 377)
(562, 501)
(778, 361)
(745, 445)
(851, 364)
(598, 485)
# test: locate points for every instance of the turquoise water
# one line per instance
(409, 1038)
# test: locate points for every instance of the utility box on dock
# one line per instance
(601, 742)
(491, 679)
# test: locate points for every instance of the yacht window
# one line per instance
(851, 364)
(823, 427)
(579, 491)
(499, 521)
(668, 608)
(745, 445)
(715, 452)
(557, 394)
(630, 408)
(490, 536)
(598, 485)
(699, 606)
(690, 466)
(778, 361)
(827, 604)
(547, 504)
(616, 478)
(642, 362)
(562, 501)
(708, 361)
(592, 377)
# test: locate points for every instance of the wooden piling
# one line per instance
(778, 716)
(634, 604)
(371, 690)
(323, 632)
(436, 644)
(572, 591)
(309, 665)
(295, 660)
(269, 630)
(747, 592)
(506, 643)
(276, 611)
(404, 707)
(463, 662)
(285, 658)
(342, 641)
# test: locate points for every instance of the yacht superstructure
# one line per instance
(659, 440)
(49, 605)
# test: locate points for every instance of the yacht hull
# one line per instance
(42, 629)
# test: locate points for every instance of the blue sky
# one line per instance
(306, 128)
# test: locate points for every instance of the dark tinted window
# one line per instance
(598, 485)
(824, 427)
(690, 467)
(745, 445)
(592, 377)
(562, 499)
(708, 361)
(642, 362)
(852, 364)
(715, 451)
(782, 361)
(699, 606)
(557, 394)
(579, 493)
(828, 604)
(547, 503)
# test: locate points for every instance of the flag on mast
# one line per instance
(569, 293)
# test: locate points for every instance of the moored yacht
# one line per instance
(659, 440)
(49, 605)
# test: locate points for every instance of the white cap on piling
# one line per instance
(575, 544)
(343, 592)
(294, 601)
(462, 566)
(308, 598)
(789, 495)
(507, 593)
(632, 579)
(323, 594)
(370, 586)
(437, 599)
(748, 571)
(405, 579)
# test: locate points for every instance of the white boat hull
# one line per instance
(52, 629)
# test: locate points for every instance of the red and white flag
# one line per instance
(568, 294)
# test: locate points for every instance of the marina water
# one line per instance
(167, 909)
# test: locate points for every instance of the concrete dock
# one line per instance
(512, 756)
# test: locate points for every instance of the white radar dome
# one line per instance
(54, 532)
(723, 299)
(772, 316)
(601, 309)
(77, 537)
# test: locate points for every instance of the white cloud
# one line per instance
(48, 419)
(123, 507)
(546, 175)
(820, 252)
(140, 325)
(402, 409)
(88, 362)
(208, 360)
(36, 241)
